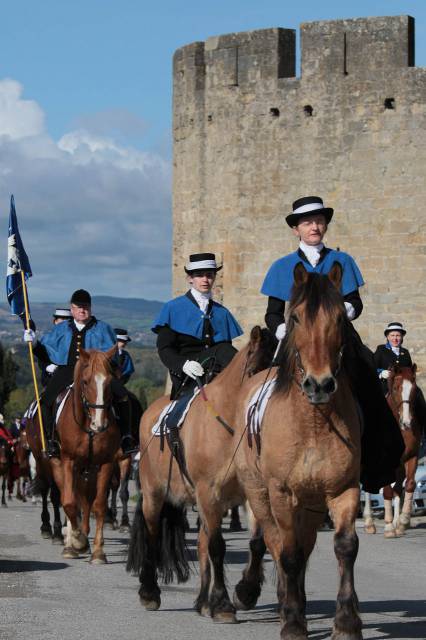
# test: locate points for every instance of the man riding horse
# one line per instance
(382, 444)
(61, 346)
(195, 332)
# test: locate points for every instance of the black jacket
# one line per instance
(385, 358)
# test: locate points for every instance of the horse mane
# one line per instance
(318, 292)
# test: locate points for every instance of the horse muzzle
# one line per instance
(319, 391)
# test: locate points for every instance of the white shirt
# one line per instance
(202, 299)
(396, 350)
(80, 326)
(313, 253)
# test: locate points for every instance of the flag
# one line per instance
(17, 262)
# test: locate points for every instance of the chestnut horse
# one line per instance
(89, 439)
(401, 397)
(206, 478)
(309, 456)
(22, 459)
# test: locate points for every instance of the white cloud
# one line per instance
(92, 212)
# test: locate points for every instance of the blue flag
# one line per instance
(17, 262)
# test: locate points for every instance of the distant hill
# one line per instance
(134, 314)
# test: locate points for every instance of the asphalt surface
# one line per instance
(44, 597)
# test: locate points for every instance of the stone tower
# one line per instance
(250, 137)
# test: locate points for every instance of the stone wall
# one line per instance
(250, 137)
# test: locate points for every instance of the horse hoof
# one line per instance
(225, 617)
(205, 611)
(150, 604)
(400, 531)
(80, 542)
(58, 540)
(245, 596)
(98, 558)
(70, 553)
(125, 528)
(47, 535)
(342, 635)
(390, 534)
(370, 528)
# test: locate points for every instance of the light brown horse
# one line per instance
(89, 439)
(402, 390)
(309, 459)
(209, 480)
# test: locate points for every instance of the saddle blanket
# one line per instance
(32, 409)
(156, 429)
(257, 406)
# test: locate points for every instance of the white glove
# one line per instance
(30, 336)
(51, 368)
(350, 311)
(384, 375)
(193, 369)
(281, 331)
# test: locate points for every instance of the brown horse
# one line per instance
(5, 463)
(21, 458)
(205, 477)
(309, 457)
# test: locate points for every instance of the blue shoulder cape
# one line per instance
(183, 316)
(127, 367)
(99, 336)
(279, 279)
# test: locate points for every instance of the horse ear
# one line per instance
(255, 335)
(300, 274)
(111, 352)
(335, 274)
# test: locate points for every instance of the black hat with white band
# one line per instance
(202, 262)
(62, 313)
(122, 335)
(395, 326)
(308, 206)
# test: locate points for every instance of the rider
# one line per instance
(124, 359)
(61, 346)
(382, 444)
(391, 354)
(195, 333)
(5, 435)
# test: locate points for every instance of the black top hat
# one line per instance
(81, 296)
(202, 262)
(62, 313)
(122, 335)
(307, 207)
(395, 326)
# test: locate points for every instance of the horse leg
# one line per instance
(389, 527)
(3, 493)
(369, 526)
(221, 607)
(410, 485)
(144, 548)
(248, 589)
(113, 509)
(76, 540)
(202, 602)
(347, 623)
(46, 529)
(235, 524)
(124, 497)
(55, 499)
(99, 509)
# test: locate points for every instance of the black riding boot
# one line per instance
(128, 445)
(52, 445)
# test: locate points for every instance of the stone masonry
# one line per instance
(250, 137)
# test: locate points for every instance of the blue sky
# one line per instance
(85, 127)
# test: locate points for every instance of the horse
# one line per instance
(22, 453)
(5, 463)
(402, 390)
(89, 439)
(308, 457)
(204, 475)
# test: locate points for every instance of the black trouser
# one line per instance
(382, 444)
(61, 379)
(213, 360)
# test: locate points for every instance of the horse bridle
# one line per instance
(335, 373)
(91, 405)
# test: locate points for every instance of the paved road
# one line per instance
(43, 597)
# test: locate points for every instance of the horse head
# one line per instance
(92, 383)
(316, 322)
(402, 389)
(261, 348)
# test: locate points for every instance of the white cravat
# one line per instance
(396, 350)
(313, 253)
(202, 299)
(80, 326)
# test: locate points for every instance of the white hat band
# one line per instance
(395, 327)
(308, 207)
(201, 264)
(65, 313)
(121, 337)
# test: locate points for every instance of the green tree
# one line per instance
(8, 371)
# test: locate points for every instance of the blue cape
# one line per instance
(279, 279)
(127, 367)
(100, 336)
(183, 316)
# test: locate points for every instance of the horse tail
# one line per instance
(170, 550)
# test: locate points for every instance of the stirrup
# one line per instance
(53, 449)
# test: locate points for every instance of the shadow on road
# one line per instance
(22, 566)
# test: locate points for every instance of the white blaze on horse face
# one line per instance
(406, 392)
(97, 422)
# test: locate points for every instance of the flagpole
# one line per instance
(30, 346)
